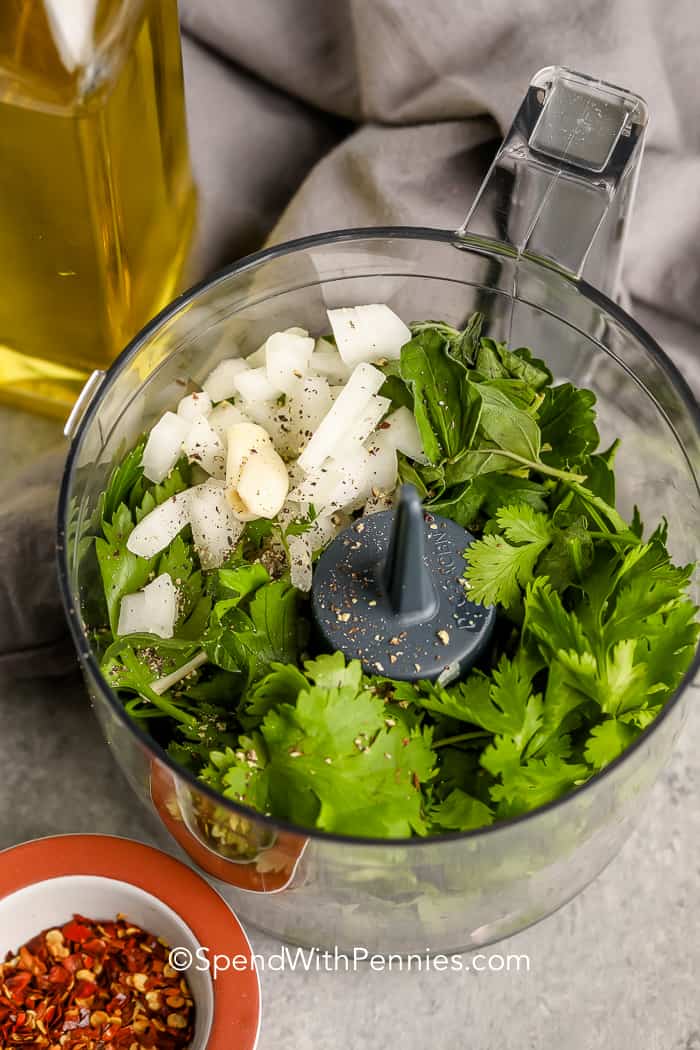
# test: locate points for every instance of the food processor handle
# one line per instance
(561, 186)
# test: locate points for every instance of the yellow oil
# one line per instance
(97, 202)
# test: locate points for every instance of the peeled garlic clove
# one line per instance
(243, 440)
(257, 482)
(263, 485)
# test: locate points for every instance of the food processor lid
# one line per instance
(237, 1005)
(390, 591)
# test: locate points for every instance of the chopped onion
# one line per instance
(323, 529)
(164, 446)
(401, 430)
(383, 464)
(257, 358)
(295, 330)
(254, 385)
(224, 416)
(159, 528)
(318, 487)
(304, 412)
(326, 361)
(368, 333)
(300, 562)
(204, 446)
(215, 528)
(348, 406)
(219, 384)
(376, 408)
(270, 416)
(287, 360)
(194, 405)
(152, 610)
(355, 481)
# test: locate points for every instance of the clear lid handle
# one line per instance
(561, 186)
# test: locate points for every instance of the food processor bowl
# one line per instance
(456, 891)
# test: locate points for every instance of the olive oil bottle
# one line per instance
(97, 201)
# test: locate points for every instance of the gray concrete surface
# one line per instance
(617, 969)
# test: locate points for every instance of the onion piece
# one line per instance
(257, 358)
(401, 430)
(322, 530)
(204, 446)
(164, 446)
(224, 416)
(303, 412)
(326, 361)
(348, 406)
(377, 407)
(383, 464)
(287, 360)
(368, 333)
(160, 527)
(219, 384)
(152, 610)
(300, 562)
(267, 415)
(215, 528)
(254, 385)
(194, 405)
(318, 487)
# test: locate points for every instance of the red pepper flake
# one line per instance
(76, 931)
(92, 985)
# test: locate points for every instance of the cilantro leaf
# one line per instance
(500, 566)
(537, 782)
(460, 812)
(332, 762)
(607, 741)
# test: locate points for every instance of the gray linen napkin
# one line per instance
(306, 117)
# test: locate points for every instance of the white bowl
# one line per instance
(53, 902)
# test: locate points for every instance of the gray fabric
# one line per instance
(307, 116)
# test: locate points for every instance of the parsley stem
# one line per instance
(481, 734)
(168, 708)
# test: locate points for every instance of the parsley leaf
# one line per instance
(251, 641)
(567, 421)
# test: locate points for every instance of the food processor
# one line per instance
(539, 256)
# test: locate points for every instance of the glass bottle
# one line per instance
(97, 202)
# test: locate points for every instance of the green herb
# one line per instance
(595, 628)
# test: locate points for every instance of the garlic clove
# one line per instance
(257, 482)
(263, 484)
